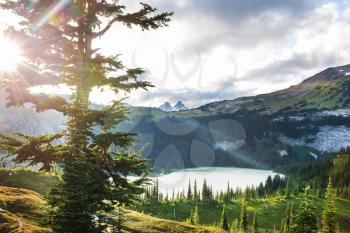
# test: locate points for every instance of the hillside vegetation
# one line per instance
(270, 211)
(22, 210)
(140, 223)
(27, 179)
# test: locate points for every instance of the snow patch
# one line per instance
(338, 112)
(313, 155)
(229, 145)
(283, 153)
(328, 139)
(332, 139)
(291, 141)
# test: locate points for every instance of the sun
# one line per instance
(10, 54)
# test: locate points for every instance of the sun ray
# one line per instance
(10, 54)
(51, 13)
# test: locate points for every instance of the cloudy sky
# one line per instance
(223, 49)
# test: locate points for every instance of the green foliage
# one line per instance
(27, 179)
(196, 196)
(329, 218)
(223, 221)
(118, 225)
(29, 208)
(59, 51)
(196, 216)
(234, 226)
(207, 193)
(255, 223)
(306, 219)
(189, 191)
(243, 216)
(287, 221)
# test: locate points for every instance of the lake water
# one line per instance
(217, 177)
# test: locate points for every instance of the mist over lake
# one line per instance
(217, 177)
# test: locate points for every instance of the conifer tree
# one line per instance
(155, 192)
(255, 223)
(118, 226)
(190, 220)
(205, 191)
(287, 191)
(305, 220)
(329, 219)
(243, 222)
(223, 220)
(189, 191)
(233, 226)
(286, 227)
(196, 216)
(195, 191)
(57, 38)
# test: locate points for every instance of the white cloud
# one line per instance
(222, 49)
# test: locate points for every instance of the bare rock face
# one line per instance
(179, 106)
(166, 107)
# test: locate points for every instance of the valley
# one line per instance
(305, 122)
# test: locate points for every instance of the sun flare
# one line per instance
(10, 54)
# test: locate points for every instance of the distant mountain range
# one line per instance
(295, 125)
(179, 106)
(299, 124)
(328, 89)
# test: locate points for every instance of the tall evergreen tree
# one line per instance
(305, 220)
(243, 222)
(118, 226)
(205, 191)
(190, 219)
(57, 39)
(189, 191)
(255, 223)
(195, 191)
(196, 216)
(287, 191)
(223, 221)
(329, 219)
(233, 226)
(286, 227)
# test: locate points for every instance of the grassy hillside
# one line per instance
(21, 211)
(140, 223)
(27, 179)
(269, 211)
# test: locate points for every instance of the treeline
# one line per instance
(305, 125)
(300, 218)
(205, 194)
(318, 172)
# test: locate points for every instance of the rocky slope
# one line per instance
(329, 89)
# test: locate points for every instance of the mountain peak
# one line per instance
(179, 106)
(329, 74)
(166, 107)
(326, 90)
